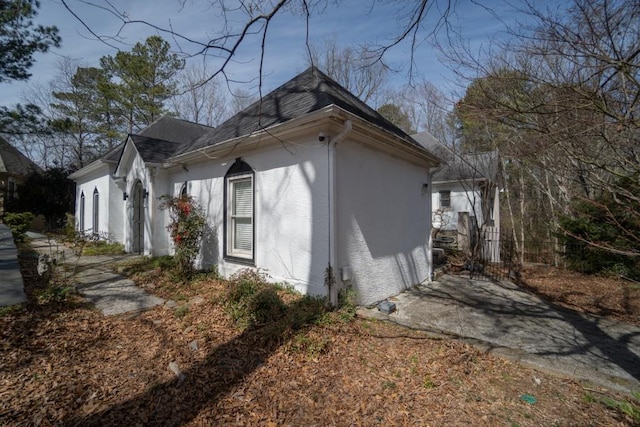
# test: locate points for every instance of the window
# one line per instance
(81, 224)
(12, 189)
(239, 212)
(445, 199)
(96, 217)
(183, 190)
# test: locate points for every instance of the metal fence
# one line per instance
(501, 256)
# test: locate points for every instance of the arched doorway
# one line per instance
(138, 218)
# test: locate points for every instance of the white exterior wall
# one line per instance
(99, 179)
(291, 212)
(136, 170)
(383, 222)
(462, 200)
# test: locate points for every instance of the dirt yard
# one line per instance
(63, 363)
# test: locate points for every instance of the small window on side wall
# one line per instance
(81, 213)
(445, 199)
(96, 212)
(239, 213)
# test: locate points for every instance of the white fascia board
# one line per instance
(87, 170)
(128, 152)
(331, 116)
(247, 142)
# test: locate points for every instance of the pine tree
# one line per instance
(144, 80)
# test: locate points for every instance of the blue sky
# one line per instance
(352, 22)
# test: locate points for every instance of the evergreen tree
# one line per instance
(85, 114)
(20, 39)
(144, 80)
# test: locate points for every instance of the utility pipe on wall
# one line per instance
(331, 147)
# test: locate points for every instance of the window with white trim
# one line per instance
(445, 199)
(96, 213)
(81, 225)
(239, 212)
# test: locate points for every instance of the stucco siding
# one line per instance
(100, 180)
(137, 171)
(291, 212)
(116, 210)
(383, 222)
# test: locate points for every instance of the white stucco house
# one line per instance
(465, 194)
(306, 178)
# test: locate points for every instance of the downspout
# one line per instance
(330, 278)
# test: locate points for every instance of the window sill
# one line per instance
(243, 261)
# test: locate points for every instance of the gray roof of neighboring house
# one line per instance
(457, 166)
(13, 162)
(309, 91)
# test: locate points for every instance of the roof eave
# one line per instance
(90, 168)
(392, 142)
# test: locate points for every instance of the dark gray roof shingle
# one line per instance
(309, 91)
(458, 166)
(154, 150)
(13, 162)
(174, 130)
(161, 139)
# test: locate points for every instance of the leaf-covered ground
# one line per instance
(63, 363)
(617, 299)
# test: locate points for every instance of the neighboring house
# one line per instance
(14, 168)
(306, 178)
(465, 196)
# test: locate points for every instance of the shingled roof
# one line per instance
(309, 91)
(174, 130)
(458, 166)
(13, 162)
(161, 139)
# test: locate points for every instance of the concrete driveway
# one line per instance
(509, 321)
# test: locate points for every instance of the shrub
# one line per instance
(186, 227)
(266, 306)
(242, 288)
(19, 223)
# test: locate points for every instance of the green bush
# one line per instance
(266, 306)
(242, 289)
(19, 223)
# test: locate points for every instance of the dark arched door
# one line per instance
(138, 218)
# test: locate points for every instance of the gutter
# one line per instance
(331, 165)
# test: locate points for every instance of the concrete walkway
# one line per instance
(11, 285)
(509, 321)
(96, 281)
